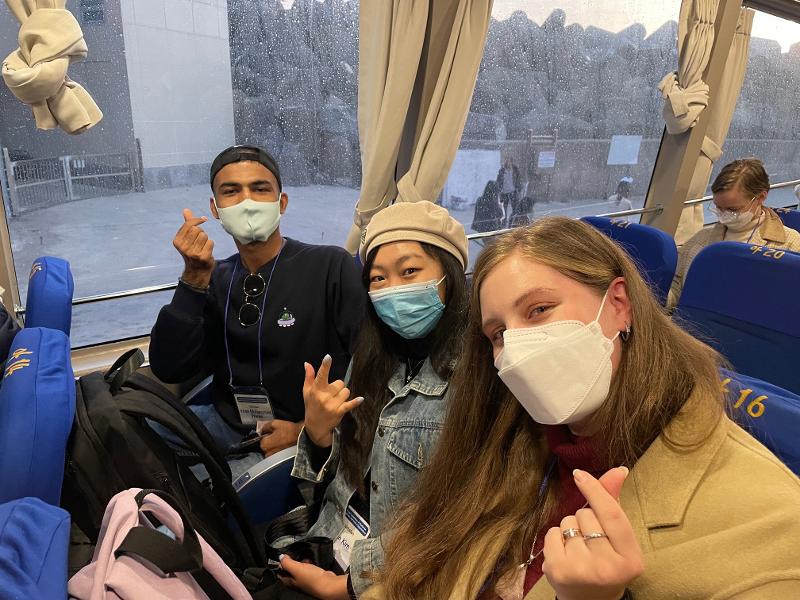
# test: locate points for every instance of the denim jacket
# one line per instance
(408, 429)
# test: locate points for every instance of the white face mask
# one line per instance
(735, 220)
(560, 372)
(250, 221)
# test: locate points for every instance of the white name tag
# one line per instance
(355, 528)
(253, 407)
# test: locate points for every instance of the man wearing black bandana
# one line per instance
(254, 318)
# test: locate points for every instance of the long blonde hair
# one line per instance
(476, 503)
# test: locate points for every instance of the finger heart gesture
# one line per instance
(594, 554)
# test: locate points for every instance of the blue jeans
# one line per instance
(225, 436)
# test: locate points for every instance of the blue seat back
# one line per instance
(790, 218)
(50, 290)
(742, 300)
(34, 542)
(770, 413)
(652, 250)
(37, 408)
(267, 489)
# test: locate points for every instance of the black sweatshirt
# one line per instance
(314, 306)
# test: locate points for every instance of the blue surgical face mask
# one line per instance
(412, 310)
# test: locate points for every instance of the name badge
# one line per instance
(253, 405)
(355, 528)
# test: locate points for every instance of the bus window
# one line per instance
(566, 103)
(178, 82)
(764, 123)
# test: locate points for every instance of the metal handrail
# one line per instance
(774, 186)
(623, 213)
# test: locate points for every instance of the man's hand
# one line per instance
(196, 249)
(279, 435)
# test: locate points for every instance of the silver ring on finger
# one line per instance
(569, 533)
(594, 535)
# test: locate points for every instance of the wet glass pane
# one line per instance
(765, 123)
(178, 81)
(567, 92)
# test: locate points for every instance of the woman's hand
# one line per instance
(314, 581)
(598, 568)
(326, 403)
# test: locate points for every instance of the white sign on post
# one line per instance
(624, 150)
(546, 160)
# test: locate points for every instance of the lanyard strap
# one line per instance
(260, 318)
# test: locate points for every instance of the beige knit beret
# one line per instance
(419, 222)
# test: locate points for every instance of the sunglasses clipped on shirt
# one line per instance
(250, 313)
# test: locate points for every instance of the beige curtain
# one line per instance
(685, 93)
(719, 122)
(50, 38)
(396, 59)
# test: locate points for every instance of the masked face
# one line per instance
(553, 339)
(738, 218)
(247, 201)
(250, 221)
(405, 289)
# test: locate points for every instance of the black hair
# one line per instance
(236, 154)
(376, 355)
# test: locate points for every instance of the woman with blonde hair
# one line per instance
(573, 382)
(740, 191)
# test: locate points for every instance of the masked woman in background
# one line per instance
(740, 191)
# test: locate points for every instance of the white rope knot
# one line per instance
(682, 106)
(36, 72)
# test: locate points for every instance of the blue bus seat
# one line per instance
(267, 489)
(652, 250)
(50, 290)
(34, 542)
(37, 409)
(790, 218)
(770, 413)
(742, 300)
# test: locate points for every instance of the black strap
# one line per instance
(171, 555)
(125, 366)
(196, 438)
(318, 550)
(295, 523)
(139, 381)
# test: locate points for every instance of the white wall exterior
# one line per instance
(179, 69)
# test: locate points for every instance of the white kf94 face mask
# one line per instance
(560, 372)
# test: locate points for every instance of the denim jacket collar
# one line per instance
(426, 382)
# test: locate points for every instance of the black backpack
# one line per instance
(112, 448)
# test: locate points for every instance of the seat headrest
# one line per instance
(37, 408)
(770, 413)
(34, 543)
(790, 218)
(50, 290)
(754, 284)
(652, 250)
